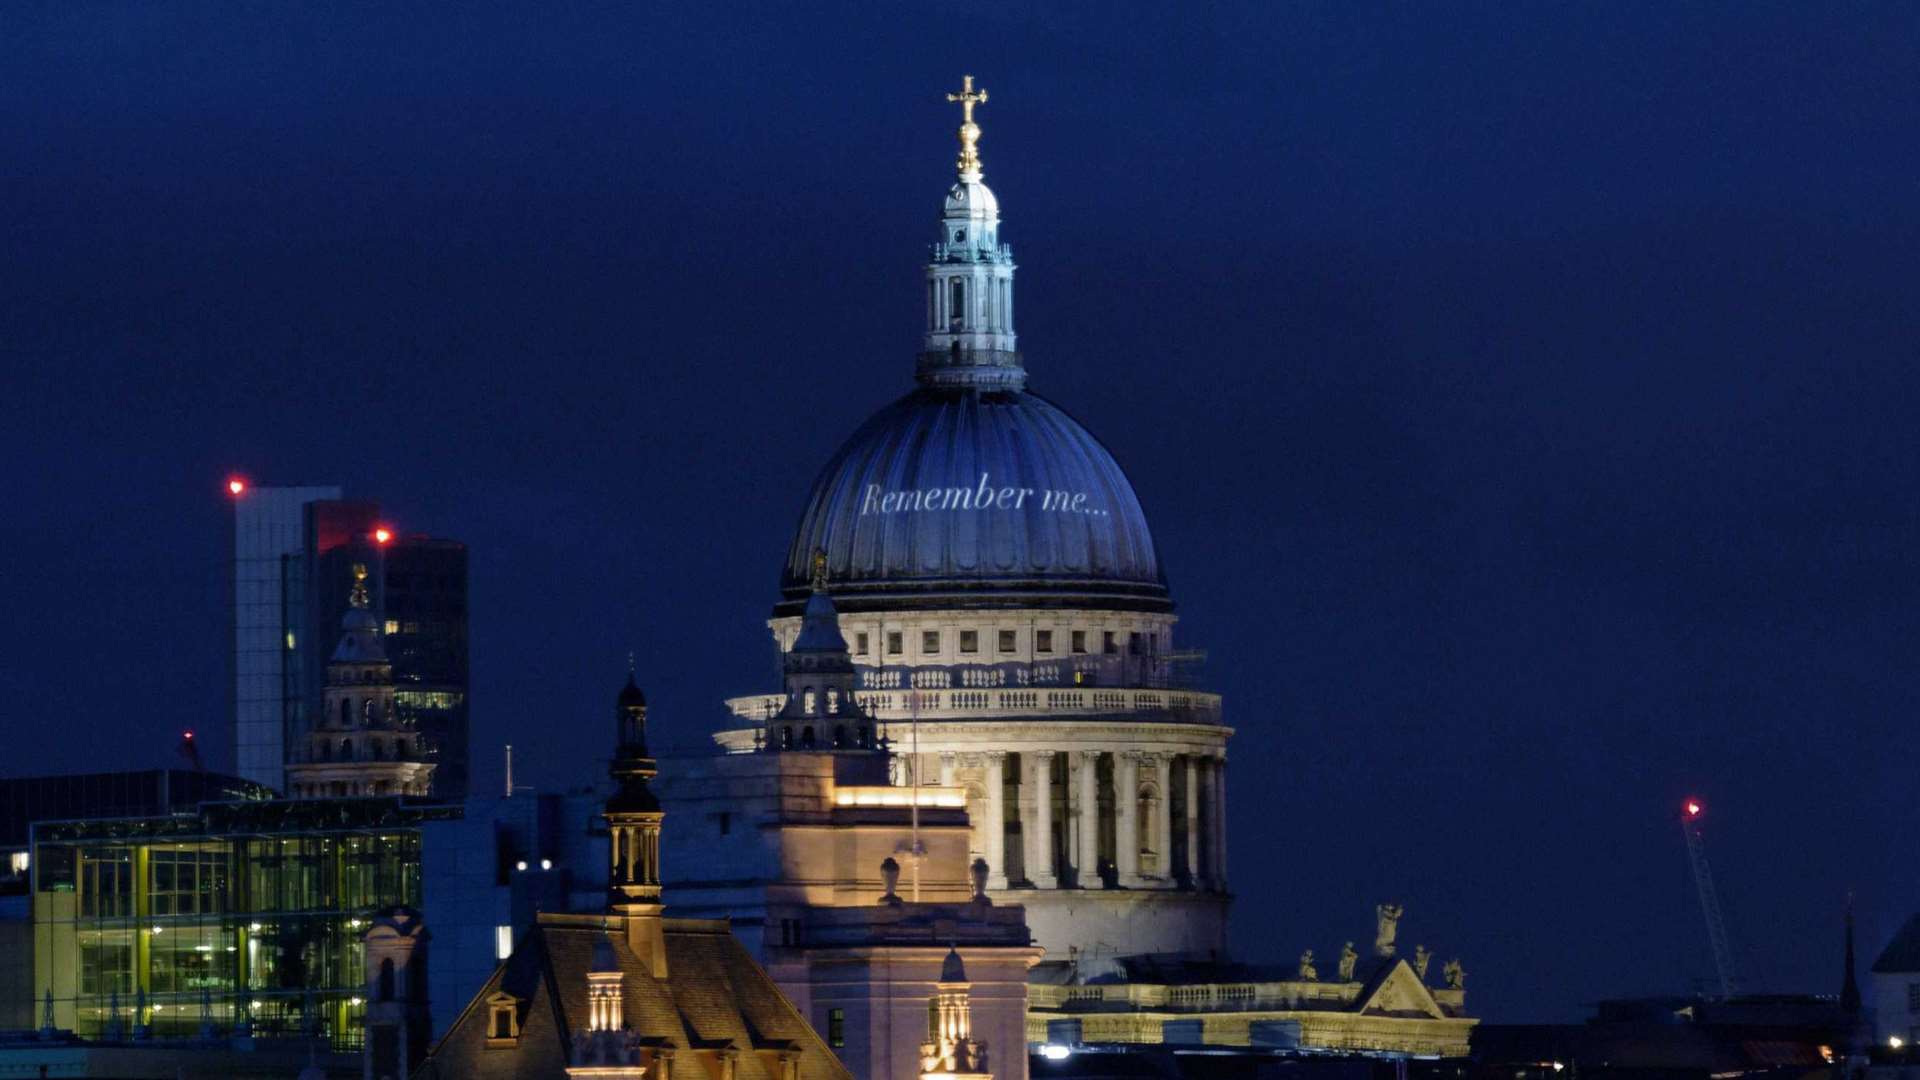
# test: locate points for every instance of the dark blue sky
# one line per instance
(1522, 397)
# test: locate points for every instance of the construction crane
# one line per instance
(1691, 813)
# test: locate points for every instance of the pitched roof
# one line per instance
(715, 996)
(1902, 954)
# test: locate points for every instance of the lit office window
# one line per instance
(836, 1028)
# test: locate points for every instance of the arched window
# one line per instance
(806, 737)
(957, 314)
(385, 991)
(786, 737)
(366, 710)
(839, 736)
(346, 749)
(378, 749)
(346, 712)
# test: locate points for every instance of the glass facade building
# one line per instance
(250, 909)
(269, 539)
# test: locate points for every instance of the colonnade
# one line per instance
(1098, 818)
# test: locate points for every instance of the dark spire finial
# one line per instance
(358, 597)
(1849, 985)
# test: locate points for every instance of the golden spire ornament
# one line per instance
(967, 98)
(358, 597)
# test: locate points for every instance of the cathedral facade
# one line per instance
(1011, 628)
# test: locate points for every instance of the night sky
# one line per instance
(1522, 397)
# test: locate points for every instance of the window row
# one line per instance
(1007, 642)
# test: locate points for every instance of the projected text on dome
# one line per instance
(986, 495)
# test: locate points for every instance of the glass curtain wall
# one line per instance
(200, 930)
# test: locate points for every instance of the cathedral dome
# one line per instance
(954, 497)
(969, 491)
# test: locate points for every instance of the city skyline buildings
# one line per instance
(1512, 400)
(294, 553)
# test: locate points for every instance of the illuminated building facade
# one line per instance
(241, 918)
(625, 992)
(358, 743)
(1007, 615)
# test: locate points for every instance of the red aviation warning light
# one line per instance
(1694, 808)
(236, 485)
(382, 534)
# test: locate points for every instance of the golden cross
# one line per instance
(969, 131)
(968, 98)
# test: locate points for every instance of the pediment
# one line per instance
(1398, 991)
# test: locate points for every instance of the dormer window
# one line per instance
(503, 1021)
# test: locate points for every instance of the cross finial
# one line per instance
(967, 98)
(358, 597)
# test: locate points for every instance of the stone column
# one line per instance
(1163, 814)
(996, 824)
(1089, 820)
(946, 768)
(1192, 815)
(1036, 773)
(1126, 818)
(1210, 820)
(1220, 822)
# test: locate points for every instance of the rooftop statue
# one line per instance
(1387, 918)
(1421, 958)
(1455, 975)
(1308, 973)
(1347, 959)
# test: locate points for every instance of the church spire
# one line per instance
(633, 833)
(360, 744)
(969, 342)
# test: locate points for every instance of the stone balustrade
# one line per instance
(1190, 706)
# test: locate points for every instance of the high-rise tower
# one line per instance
(294, 553)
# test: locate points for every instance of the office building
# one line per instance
(269, 586)
(294, 554)
(247, 916)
